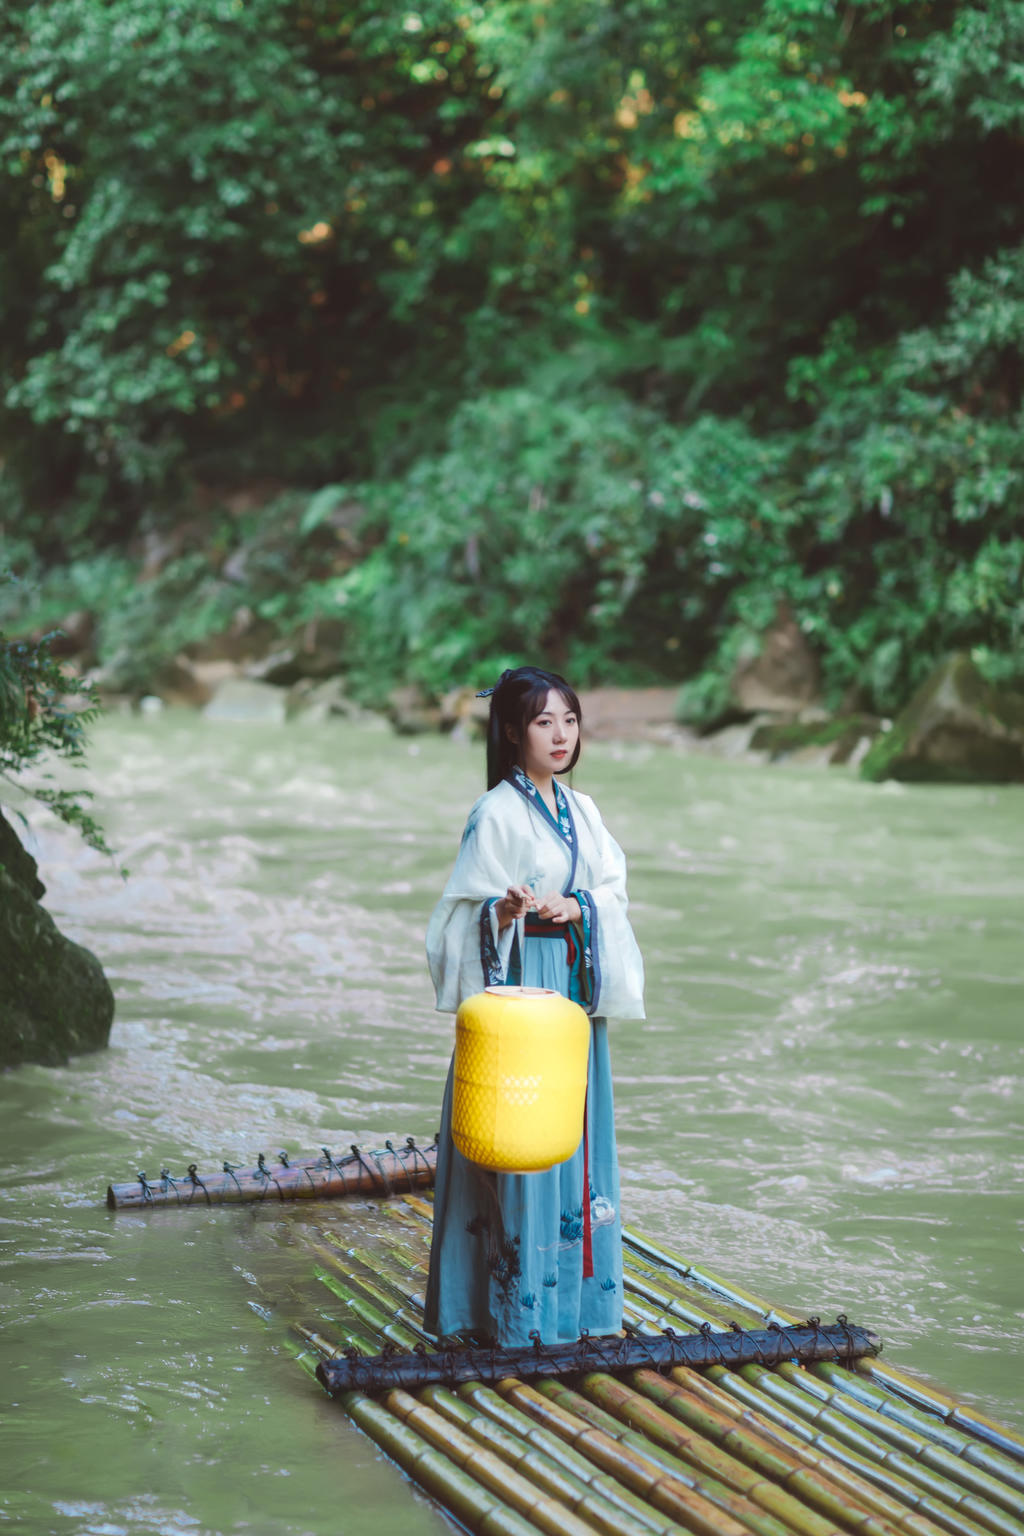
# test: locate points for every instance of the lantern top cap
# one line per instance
(513, 992)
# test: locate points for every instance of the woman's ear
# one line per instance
(511, 736)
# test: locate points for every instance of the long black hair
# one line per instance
(519, 698)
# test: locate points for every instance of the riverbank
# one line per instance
(956, 729)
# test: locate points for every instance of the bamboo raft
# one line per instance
(731, 1446)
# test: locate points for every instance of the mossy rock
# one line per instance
(18, 862)
(780, 738)
(957, 729)
(55, 1001)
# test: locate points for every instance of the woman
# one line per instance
(537, 897)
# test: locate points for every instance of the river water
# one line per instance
(824, 1104)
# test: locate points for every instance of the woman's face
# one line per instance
(551, 738)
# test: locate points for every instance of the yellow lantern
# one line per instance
(520, 1078)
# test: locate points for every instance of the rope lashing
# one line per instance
(410, 1142)
(147, 1189)
(361, 1160)
(779, 1328)
(399, 1158)
(167, 1182)
(382, 1171)
(264, 1173)
(230, 1171)
(197, 1183)
(332, 1164)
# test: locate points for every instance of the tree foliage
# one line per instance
(44, 713)
(621, 318)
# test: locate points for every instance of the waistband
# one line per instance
(544, 928)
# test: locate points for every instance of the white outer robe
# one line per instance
(509, 840)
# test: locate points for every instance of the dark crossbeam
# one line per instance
(806, 1343)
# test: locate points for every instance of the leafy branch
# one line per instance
(45, 711)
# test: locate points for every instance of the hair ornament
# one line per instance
(485, 693)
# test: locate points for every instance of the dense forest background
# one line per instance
(475, 333)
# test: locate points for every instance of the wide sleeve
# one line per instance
(614, 963)
(465, 950)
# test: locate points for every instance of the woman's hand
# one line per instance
(559, 909)
(515, 903)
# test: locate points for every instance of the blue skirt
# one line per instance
(507, 1256)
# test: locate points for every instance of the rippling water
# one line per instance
(824, 1104)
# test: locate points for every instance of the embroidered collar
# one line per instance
(563, 823)
(563, 826)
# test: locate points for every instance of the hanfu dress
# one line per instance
(536, 1254)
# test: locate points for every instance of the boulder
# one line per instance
(464, 714)
(179, 682)
(54, 998)
(116, 677)
(314, 652)
(732, 741)
(319, 701)
(246, 637)
(412, 712)
(18, 862)
(242, 699)
(206, 677)
(958, 728)
(820, 739)
(784, 676)
(625, 714)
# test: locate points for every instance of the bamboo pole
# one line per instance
(931, 1400)
(879, 1464)
(479, 1508)
(642, 1473)
(604, 1514)
(385, 1298)
(990, 1460)
(504, 1414)
(887, 1497)
(874, 1448)
(645, 1276)
(806, 1477)
(378, 1321)
(544, 1511)
(735, 1294)
(702, 1453)
(696, 1475)
(900, 1412)
(680, 1307)
(546, 1473)
(477, 1497)
(917, 1441)
(928, 1398)
(384, 1172)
